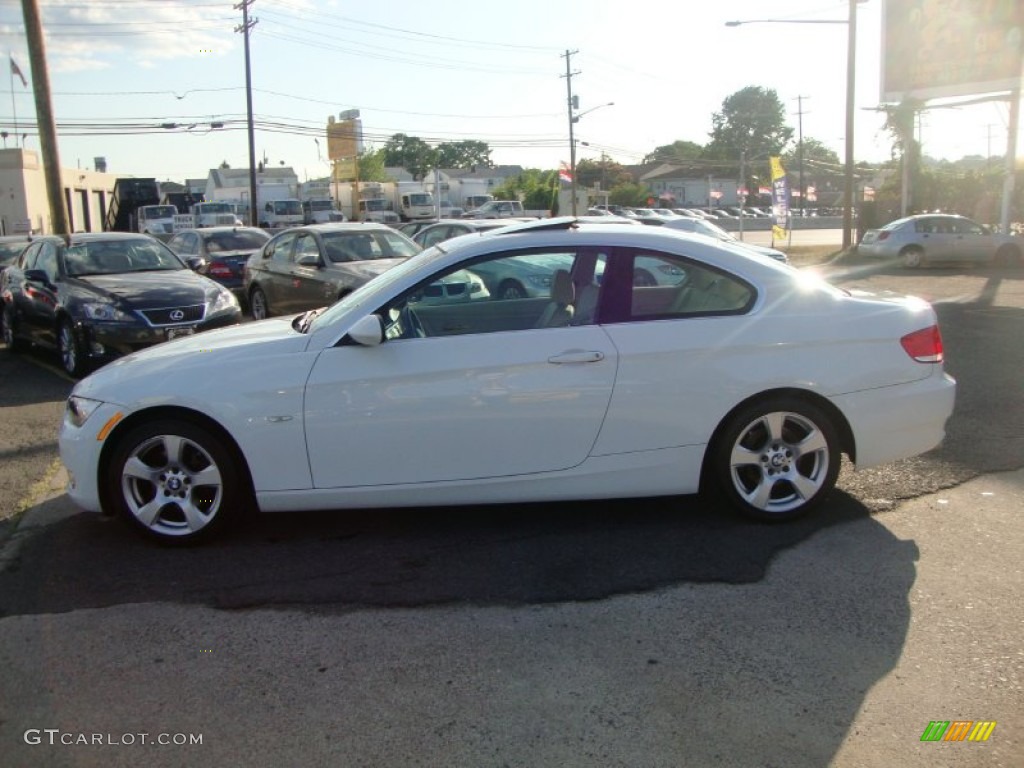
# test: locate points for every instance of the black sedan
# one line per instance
(223, 250)
(96, 296)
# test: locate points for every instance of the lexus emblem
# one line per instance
(177, 315)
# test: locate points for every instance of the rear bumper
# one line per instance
(900, 421)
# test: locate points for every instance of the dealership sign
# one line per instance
(939, 48)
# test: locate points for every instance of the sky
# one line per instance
(447, 70)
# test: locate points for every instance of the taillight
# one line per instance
(883, 236)
(925, 345)
(219, 270)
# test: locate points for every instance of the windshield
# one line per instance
(237, 240)
(320, 205)
(113, 257)
(214, 208)
(420, 199)
(377, 204)
(363, 246)
(379, 283)
(159, 212)
(287, 208)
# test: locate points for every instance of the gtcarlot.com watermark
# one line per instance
(55, 736)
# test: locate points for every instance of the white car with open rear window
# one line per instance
(740, 375)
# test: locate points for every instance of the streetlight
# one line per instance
(573, 119)
(851, 69)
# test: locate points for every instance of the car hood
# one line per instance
(234, 348)
(147, 290)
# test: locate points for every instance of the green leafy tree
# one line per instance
(463, 154)
(604, 172)
(411, 153)
(752, 120)
(536, 188)
(371, 166)
(677, 151)
(629, 194)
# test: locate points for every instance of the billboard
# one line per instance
(344, 138)
(938, 48)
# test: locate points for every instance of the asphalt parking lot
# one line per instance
(629, 633)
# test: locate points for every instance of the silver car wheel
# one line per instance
(70, 356)
(171, 485)
(913, 258)
(780, 461)
(258, 305)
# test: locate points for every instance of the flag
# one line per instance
(564, 173)
(16, 70)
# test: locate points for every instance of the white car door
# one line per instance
(482, 393)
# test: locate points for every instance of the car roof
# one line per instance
(345, 226)
(216, 230)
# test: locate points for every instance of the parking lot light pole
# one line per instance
(573, 119)
(851, 70)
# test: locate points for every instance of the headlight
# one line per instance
(106, 312)
(79, 409)
(224, 300)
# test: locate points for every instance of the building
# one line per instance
(24, 206)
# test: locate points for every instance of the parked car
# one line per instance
(308, 267)
(11, 247)
(706, 228)
(748, 377)
(96, 296)
(410, 228)
(933, 237)
(496, 209)
(223, 252)
(444, 230)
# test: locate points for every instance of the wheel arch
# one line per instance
(847, 443)
(179, 413)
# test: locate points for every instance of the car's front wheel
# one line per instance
(72, 355)
(258, 305)
(175, 481)
(777, 460)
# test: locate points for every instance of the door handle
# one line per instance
(577, 356)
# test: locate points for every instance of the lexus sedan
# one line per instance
(933, 237)
(95, 296)
(223, 252)
(748, 378)
(308, 267)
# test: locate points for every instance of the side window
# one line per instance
(434, 236)
(967, 228)
(280, 249)
(47, 260)
(503, 292)
(305, 245)
(666, 286)
(28, 258)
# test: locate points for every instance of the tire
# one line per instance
(258, 306)
(14, 344)
(778, 459)
(72, 354)
(174, 481)
(1008, 256)
(913, 258)
(510, 289)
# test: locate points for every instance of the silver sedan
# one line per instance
(924, 238)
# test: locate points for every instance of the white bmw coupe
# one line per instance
(739, 374)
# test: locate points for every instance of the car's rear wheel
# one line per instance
(1008, 256)
(72, 354)
(175, 481)
(259, 308)
(510, 289)
(913, 258)
(778, 459)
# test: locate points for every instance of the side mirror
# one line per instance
(195, 262)
(309, 260)
(37, 276)
(368, 331)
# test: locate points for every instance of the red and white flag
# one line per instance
(564, 173)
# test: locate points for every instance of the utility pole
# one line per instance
(800, 149)
(571, 103)
(851, 70)
(244, 29)
(44, 117)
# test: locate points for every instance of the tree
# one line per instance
(677, 151)
(463, 154)
(411, 153)
(604, 172)
(752, 121)
(536, 188)
(815, 153)
(629, 194)
(371, 165)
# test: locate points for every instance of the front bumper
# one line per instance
(104, 341)
(80, 451)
